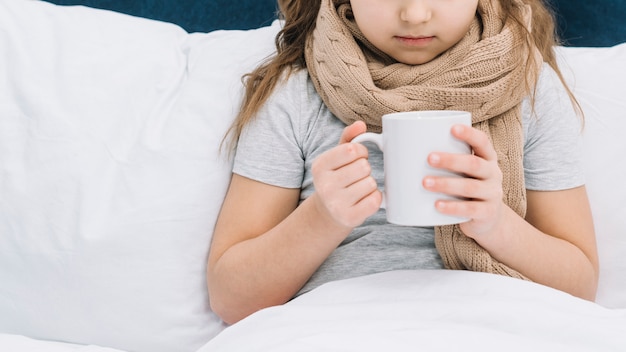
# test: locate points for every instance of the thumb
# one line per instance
(352, 131)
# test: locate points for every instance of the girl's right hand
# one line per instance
(345, 190)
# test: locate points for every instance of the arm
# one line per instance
(566, 216)
(554, 245)
(265, 247)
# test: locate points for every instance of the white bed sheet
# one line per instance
(430, 311)
(17, 343)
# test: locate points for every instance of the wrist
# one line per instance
(322, 217)
(503, 237)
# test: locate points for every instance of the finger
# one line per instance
(352, 172)
(352, 131)
(339, 157)
(369, 204)
(469, 165)
(465, 209)
(360, 190)
(354, 214)
(467, 188)
(344, 176)
(477, 140)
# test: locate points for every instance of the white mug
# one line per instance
(406, 141)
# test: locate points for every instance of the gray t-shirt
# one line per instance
(295, 127)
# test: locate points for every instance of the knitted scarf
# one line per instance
(483, 74)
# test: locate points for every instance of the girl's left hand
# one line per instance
(481, 188)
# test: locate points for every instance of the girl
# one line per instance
(303, 205)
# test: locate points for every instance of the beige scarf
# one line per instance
(483, 74)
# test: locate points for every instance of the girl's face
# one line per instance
(414, 31)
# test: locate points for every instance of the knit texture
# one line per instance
(484, 74)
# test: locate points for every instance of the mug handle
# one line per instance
(376, 138)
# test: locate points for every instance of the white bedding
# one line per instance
(429, 311)
(410, 311)
(18, 343)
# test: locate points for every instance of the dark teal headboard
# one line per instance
(192, 15)
(591, 23)
(581, 22)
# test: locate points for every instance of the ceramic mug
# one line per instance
(406, 141)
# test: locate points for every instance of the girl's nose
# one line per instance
(415, 11)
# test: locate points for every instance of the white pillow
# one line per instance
(110, 176)
(598, 77)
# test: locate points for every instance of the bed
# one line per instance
(111, 117)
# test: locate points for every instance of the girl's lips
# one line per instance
(415, 41)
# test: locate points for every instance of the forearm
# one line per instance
(542, 257)
(270, 269)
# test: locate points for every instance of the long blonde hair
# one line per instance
(299, 18)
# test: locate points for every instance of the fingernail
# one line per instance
(434, 158)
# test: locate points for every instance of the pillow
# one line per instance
(110, 174)
(598, 78)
